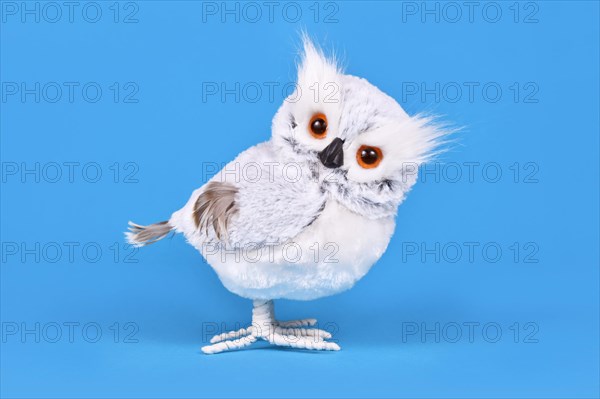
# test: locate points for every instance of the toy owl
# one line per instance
(307, 213)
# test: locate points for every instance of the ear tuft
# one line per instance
(432, 137)
(315, 66)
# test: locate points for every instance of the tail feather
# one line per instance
(140, 236)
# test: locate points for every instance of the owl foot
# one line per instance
(279, 333)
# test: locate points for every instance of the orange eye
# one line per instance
(318, 126)
(369, 157)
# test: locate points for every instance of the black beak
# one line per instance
(333, 155)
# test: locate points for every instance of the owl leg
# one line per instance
(262, 322)
(265, 327)
(289, 333)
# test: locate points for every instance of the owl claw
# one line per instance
(231, 335)
(298, 323)
(303, 332)
(228, 345)
(303, 342)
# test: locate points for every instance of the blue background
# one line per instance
(170, 294)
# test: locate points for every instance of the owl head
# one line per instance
(366, 148)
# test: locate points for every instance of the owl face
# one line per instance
(367, 148)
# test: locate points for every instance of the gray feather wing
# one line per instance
(258, 201)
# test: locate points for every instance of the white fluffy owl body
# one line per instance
(317, 249)
(307, 213)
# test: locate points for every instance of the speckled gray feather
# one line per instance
(145, 235)
(215, 206)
